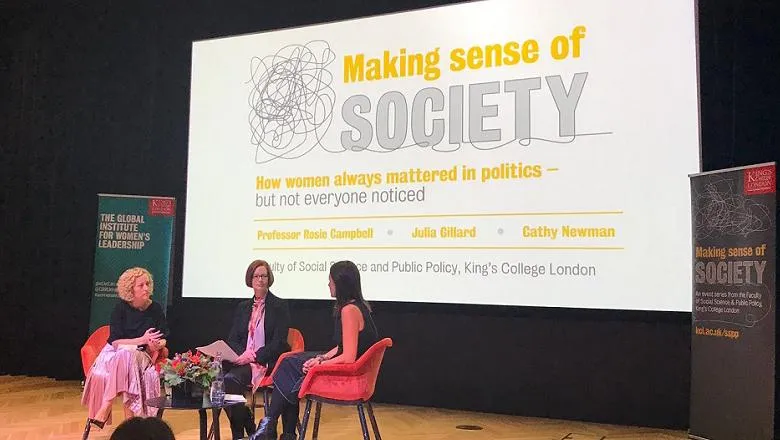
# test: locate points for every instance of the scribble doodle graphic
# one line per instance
(720, 208)
(291, 100)
(445, 147)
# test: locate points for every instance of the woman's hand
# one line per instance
(150, 336)
(245, 358)
(312, 362)
(157, 344)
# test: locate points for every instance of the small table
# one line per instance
(162, 403)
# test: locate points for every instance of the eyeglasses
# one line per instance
(260, 276)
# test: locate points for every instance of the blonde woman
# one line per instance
(125, 365)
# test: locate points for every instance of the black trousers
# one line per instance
(287, 382)
(237, 381)
(289, 375)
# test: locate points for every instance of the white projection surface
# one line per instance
(529, 153)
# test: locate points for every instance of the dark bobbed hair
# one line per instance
(143, 428)
(346, 278)
(250, 271)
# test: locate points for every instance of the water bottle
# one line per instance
(218, 385)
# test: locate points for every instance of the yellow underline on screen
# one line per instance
(532, 248)
(552, 169)
(379, 217)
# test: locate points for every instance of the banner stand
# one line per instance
(131, 231)
(734, 303)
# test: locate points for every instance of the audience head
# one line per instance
(143, 428)
(127, 286)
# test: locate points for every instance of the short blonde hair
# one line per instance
(126, 281)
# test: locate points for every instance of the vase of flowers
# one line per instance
(189, 375)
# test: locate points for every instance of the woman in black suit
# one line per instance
(259, 335)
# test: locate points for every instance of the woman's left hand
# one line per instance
(156, 344)
(311, 363)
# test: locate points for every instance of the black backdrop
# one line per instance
(94, 97)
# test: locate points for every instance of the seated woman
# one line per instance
(125, 365)
(354, 333)
(259, 335)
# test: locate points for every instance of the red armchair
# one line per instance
(344, 384)
(297, 344)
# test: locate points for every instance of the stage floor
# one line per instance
(42, 408)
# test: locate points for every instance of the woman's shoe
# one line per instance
(97, 423)
(266, 430)
(249, 423)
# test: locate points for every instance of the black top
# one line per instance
(127, 322)
(277, 325)
(366, 338)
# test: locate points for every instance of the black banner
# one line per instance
(733, 321)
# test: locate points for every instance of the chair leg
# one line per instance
(316, 430)
(306, 412)
(372, 419)
(144, 410)
(86, 431)
(252, 405)
(362, 417)
(266, 402)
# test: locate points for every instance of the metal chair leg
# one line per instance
(86, 431)
(306, 412)
(372, 419)
(266, 402)
(316, 430)
(362, 417)
(144, 410)
(252, 405)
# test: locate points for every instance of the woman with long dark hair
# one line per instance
(354, 332)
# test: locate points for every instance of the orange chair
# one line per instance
(344, 384)
(95, 343)
(296, 342)
(91, 349)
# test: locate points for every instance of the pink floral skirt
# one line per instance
(121, 371)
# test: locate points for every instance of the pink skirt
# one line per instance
(121, 371)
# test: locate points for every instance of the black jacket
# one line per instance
(277, 324)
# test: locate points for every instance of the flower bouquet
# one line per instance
(189, 375)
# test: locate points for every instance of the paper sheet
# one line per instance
(219, 347)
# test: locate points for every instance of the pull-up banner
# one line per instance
(734, 296)
(131, 231)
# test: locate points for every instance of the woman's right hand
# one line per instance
(245, 358)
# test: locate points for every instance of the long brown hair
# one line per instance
(346, 279)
